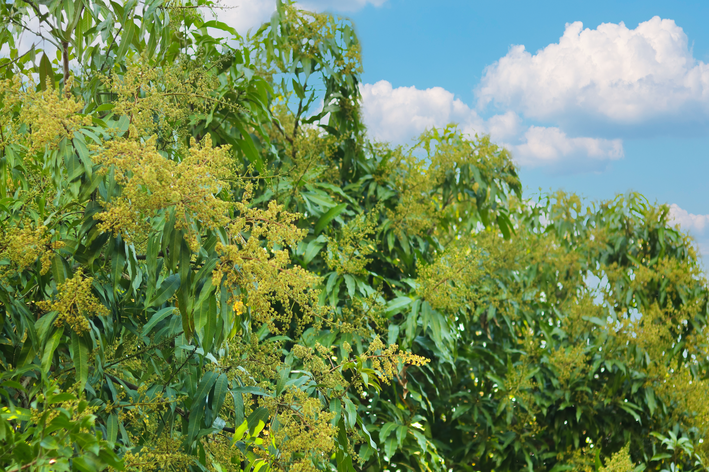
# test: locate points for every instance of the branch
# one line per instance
(18, 58)
(143, 351)
(297, 116)
(34, 32)
(283, 132)
(108, 51)
(183, 413)
(65, 64)
(142, 257)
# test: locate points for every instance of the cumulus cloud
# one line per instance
(551, 145)
(400, 114)
(611, 74)
(695, 224)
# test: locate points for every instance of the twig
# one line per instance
(143, 351)
(110, 46)
(65, 64)
(18, 58)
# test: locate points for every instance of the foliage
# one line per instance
(206, 264)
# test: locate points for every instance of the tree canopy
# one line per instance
(207, 264)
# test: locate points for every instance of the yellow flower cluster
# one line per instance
(22, 245)
(569, 363)
(75, 303)
(238, 308)
(304, 427)
(256, 263)
(619, 462)
(152, 183)
(159, 101)
(52, 115)
(386, 360)
(348, 254)
(450, 282)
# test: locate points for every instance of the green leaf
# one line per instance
(194, 423)
(50, 347)
(395, 306)
(80, 353)
(238, 407)
(84, 464)
(630, 411)
(246, 144)
(157, 318)
(209, 314)
(126, 38)
(53, 399)
(650, 399)
(331, 214)
(351, 410)
(240, 432)
(351, 285)
(331, 282)
(27, 354)
(282, 380)
(83, 152)
(312, 249)
(401, 432)
(166, 290)
(259, 415)
(204, 387)
(220, 26)
(221, 388)
(390, 447)
(366, 433)
(112, 428)
(46, 73)
(386, 429)
(393, 334)
(595, 320)
(298, 89)
(118, 261)
(60, 269)
(252, 391)
(420, 439)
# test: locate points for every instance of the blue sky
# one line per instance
(449, 44)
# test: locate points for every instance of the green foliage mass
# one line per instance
(206, 264)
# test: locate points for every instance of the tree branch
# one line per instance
(183, 413)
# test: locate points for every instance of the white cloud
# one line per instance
(244, 15)
(551, 145)
(695, 224)
(612, 75)
(400, 114)
(339, 5)
(505, 127)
